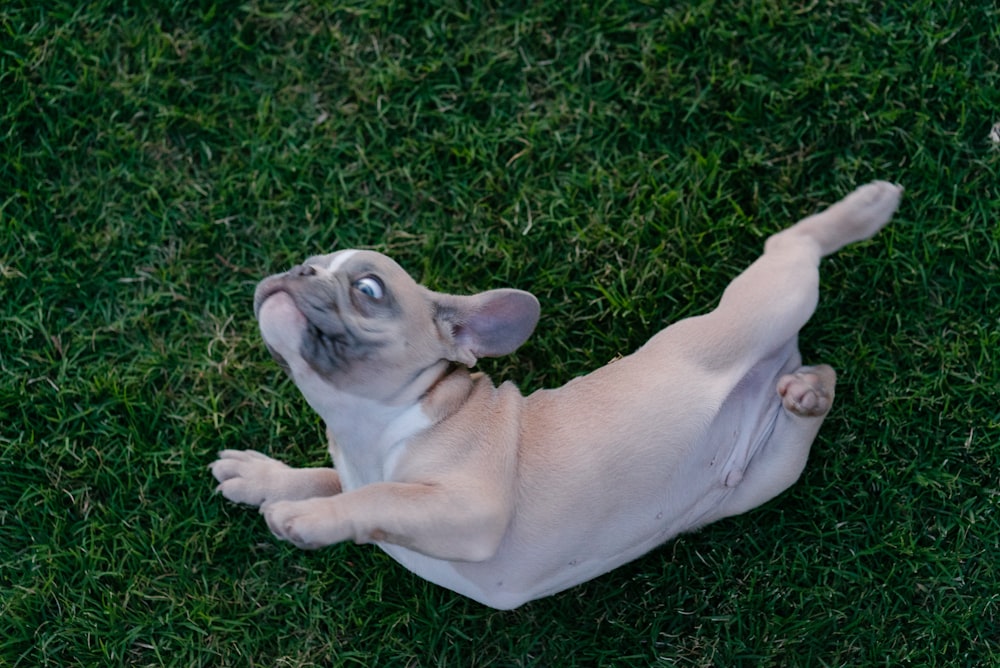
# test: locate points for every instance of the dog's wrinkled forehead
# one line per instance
(331, 262)
(355, 263)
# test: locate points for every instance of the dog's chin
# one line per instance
(281, 325)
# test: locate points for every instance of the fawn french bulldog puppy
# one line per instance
(506, 498)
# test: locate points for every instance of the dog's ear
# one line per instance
(489, 324)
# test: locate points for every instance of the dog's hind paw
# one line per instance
(809, 391)
(870, 207)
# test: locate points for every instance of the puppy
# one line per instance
(506, 498)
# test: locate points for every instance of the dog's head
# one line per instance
(355, 320)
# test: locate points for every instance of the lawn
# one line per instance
(620, 160)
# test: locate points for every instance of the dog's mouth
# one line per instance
(327, 342)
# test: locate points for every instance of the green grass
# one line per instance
(622, 161)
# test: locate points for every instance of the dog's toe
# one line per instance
(240, 490)
(224, 469)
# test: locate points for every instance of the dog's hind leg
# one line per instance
(806, 396)
(766, 306)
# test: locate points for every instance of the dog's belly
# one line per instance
(510, 579)
(602, 494)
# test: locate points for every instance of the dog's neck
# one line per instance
(364, 433)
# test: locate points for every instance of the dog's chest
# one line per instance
(368, 451)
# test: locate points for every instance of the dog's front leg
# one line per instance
(425, 518)
(253, 478)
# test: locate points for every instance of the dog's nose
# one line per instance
(302, 270)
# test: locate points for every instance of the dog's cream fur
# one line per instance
(505, 498)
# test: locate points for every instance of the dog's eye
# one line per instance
(370, 287)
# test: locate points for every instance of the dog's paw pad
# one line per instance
(808, 392)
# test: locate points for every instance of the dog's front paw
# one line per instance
(308, 524)
(247, 476)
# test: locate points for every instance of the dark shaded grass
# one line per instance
(623, 162)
